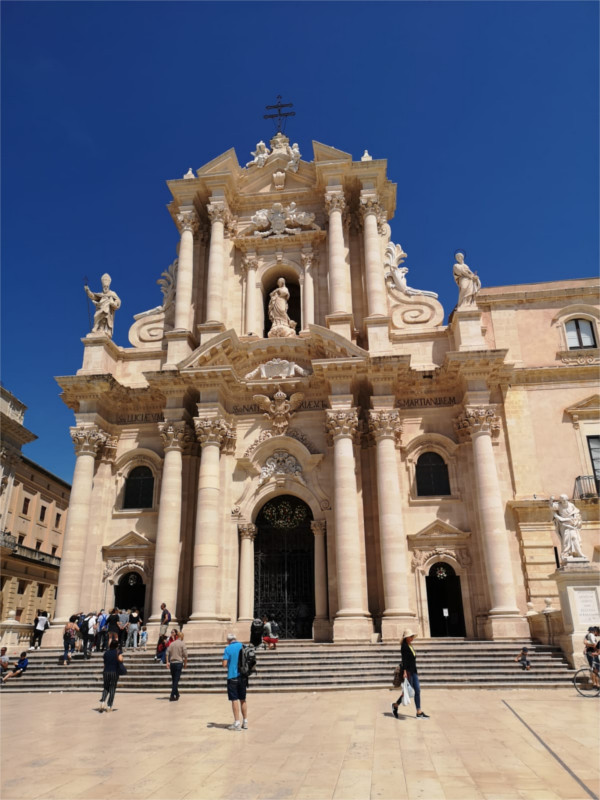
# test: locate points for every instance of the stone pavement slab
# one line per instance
(477, 745)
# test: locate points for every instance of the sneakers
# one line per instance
(422, 715)
(245, 725)
(102, 705)
(235, 727)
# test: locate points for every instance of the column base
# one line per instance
(341, 323)
(54, 635)
(392, 628)
(209, 631)
(509, 626)
(378, 333)
(322, 630)
(352, 629)
(180, 344)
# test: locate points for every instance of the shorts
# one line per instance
(236, 689)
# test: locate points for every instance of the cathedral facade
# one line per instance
(296, 432)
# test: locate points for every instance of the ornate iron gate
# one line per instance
(284, 585)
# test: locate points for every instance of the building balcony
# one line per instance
(586, 488)
(9, 542)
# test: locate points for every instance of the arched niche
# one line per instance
(268, 282)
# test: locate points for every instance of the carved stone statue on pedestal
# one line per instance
(567, 519)
(106, 302)
(281, 324)
(468, 283)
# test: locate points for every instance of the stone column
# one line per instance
(175, 436)
(249, 266)
(219, 215)
(87, 440)
(188, 225)
(386, 428)
(338, 269)
(376, 295)
(352, 619)
(246, 577)
(479, 423)
(212, 432)
(308, 310)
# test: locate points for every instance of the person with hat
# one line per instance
(409, 671)
(236, 685)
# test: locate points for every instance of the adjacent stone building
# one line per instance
(33, 515)
(296, 431)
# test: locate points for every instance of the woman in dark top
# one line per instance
(409, 671)
(113, 626)
(110, 675)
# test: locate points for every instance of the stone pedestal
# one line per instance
(466, 328)
(378, 333)
(578, 584)
(507, 626)
(322, 630)
(352, 629)
(179, 346)
(213, 632)
(341, 324)
(208, 330)
(15, 635)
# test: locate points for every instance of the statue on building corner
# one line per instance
(106, 302)
(261, 155)
(295, 157)
(467, 281)
(567, 519)
(281, 324)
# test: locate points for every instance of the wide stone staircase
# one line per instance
(306, 666)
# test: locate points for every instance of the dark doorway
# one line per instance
(294, 306)
(130, 592)
(444, 600)
(284, 582)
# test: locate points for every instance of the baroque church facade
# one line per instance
(295, 431)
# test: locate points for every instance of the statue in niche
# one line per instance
(261, 155)
(106, 302)
(468, 283)
(281, 324)
(295, 157)
(567, 519)
(394, 257)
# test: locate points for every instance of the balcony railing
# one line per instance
(10, 541)
(586, 487)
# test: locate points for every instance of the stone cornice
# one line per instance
(287, 242)
(524, 294)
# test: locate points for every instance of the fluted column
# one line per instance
(246, 577)
(308, 310)
(376, 295)
(175, 436)
(338, 269)
(188, 225)
(249, 266)
(318, 528)
(211, 432)
(87, 440)
(342, 426)
(386, 428)
(219, 214)
(479, 423)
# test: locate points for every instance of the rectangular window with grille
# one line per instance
(594, 446)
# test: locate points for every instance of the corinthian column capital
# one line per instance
(218, 212)
(385, 425)
(342, 424)
(214, 430)
(249, 262)
(248, 532)
(108, 453)
(188, 221)
(307, 259)
(477, 419)
(87, 439)
(318, 527)
(175, 435)
(372, 206)
(335, 201)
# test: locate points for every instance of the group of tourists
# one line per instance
(264, 633)
(14, 670)
(96, 631)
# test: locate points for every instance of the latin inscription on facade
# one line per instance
(305, 405)
(425, 402)
(586, 601)
(138, 419)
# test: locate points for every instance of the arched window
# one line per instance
(432, 475)
(139, 488)
(580, 334)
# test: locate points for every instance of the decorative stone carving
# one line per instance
(218, 212)
(188, 221)
(580, 359)
(106, 302)
(249, 262)
(468, 283)
(371, 205)
(247, 532)
(295, 156)
(281, 324)
(366, 157)
(342, 423)
(212, 430)
(421, 557)
(113, 566)
(87, 439)
(278, 181)
(108, 452)
(394, 256)
(150, 326)
(292, 433)
(567, 520)
(385, 425)
(280, 463)
(307, 259)
(277, 368)
(476, 419)
(318, 527)
(189, 175)
(278, 221)
(280, 144)
(279, 410)
(260, 155)
(335, 201)
(175, 435)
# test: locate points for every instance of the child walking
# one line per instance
(144, 638)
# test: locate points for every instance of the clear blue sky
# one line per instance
(487, 113)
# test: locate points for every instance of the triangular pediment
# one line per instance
(226, 162)
(585, 409)
(260, 181)
(130, 541)
(438, 531)
(323, 152)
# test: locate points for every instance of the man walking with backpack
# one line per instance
(236, 683)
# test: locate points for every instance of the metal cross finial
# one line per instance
(281, 118)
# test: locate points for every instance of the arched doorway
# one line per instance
(130, 592)
(444, 601)
(284, 581)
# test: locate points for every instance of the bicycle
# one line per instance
(583, 681)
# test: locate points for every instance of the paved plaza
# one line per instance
(497, 745)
